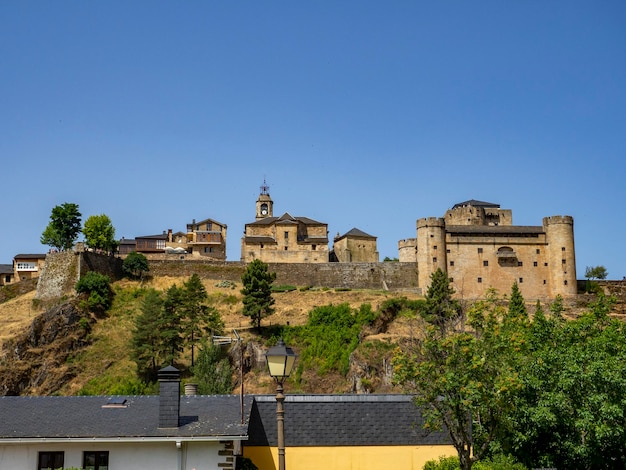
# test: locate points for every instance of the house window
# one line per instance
(480, 250)
(209, 226)
(535, 264)
(538, 251)
(448, 250)
(50, 460)
(521, 279)
(286, 235)
(96, 460)
(545, 264)
(451, 279)
(544, 282)
(286, 248)
(485, 263)
(451, 263)
(480, 279)
(519, 263)
(434, 259)
(7, 279)
(313, 247)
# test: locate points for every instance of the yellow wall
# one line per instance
(348, 458)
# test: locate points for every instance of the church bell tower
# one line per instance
(264, 204)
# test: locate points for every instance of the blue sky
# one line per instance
(357, 113)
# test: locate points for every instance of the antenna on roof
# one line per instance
(265, 189)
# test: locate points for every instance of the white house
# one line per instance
(168, 431)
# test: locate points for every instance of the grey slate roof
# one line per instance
(286, 218)
(475, 203)
(355, 232)
(506, 230)
(30, 256)
(6, 269)
(342, 420)
(64, 418)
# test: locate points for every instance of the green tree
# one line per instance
(465, 380)
(196, 316)
(570, 412)
(257, 292)
(97, 287)
(596, 272)
(213, 371)
(64, 226)
(146, 345)
(100, 233)
(135, 265)
(517, 305)
(169, 325)
(440, 308)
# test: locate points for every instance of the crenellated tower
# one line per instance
(431, 248)
(559, 231)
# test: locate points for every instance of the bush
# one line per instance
(284, 288)
(444, 463)
(98, 289)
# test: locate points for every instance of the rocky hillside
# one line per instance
(63, 350)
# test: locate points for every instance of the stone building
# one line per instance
(354, 246)
(284, 239)
(206, 239)
(478, 246)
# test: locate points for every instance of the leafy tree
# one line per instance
(98, 289)
(440, 307)
(146, 344)
(257, 292)
(100, 233)
(63, 228)
(213, 371)
(570, 412)
(135, 265)
(464, 380)
(596, 272)
(196, 316)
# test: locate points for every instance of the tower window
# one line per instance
(451, 263)
(544, 281)
(562, 261)
(480, 279)
(434, 260)
(565, 282)
(485, 263)
(519, 263)
(535, 264)
(521, 279)
(538, 251)
(562, 248)
(480, 250)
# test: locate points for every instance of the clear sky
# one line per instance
(357, 113)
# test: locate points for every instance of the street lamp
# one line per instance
(280, 361)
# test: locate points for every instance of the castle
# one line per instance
(478, 246)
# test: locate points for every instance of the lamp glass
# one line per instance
(280, 360)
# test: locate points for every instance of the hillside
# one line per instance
(104, 361)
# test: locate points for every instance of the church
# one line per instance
(283, 239)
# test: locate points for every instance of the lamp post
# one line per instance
(280, 361)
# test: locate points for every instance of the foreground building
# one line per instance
(354, 246)
(478, 246)
(200, 432)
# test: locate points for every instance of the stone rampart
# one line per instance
(386, 275)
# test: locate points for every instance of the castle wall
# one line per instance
(388, 275)
(475, 264)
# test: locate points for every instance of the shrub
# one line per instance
(97, 287)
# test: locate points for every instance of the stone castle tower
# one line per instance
(478, 246)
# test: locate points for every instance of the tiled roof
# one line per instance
(342, 420)
(160, 236)
(62, 418)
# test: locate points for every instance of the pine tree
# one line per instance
(257, 291)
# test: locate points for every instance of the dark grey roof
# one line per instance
(259, 240)
(475, 203)
(495, 229)
(194, 223)
(160, 236)
(30, 256)
(6, 269)
(286, 218)
(355, 232)
(61, 418)
(342, 420)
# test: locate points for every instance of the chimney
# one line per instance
(169, 397)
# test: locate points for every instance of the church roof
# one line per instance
(355, 232)
(475, 203)
(284, 219)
